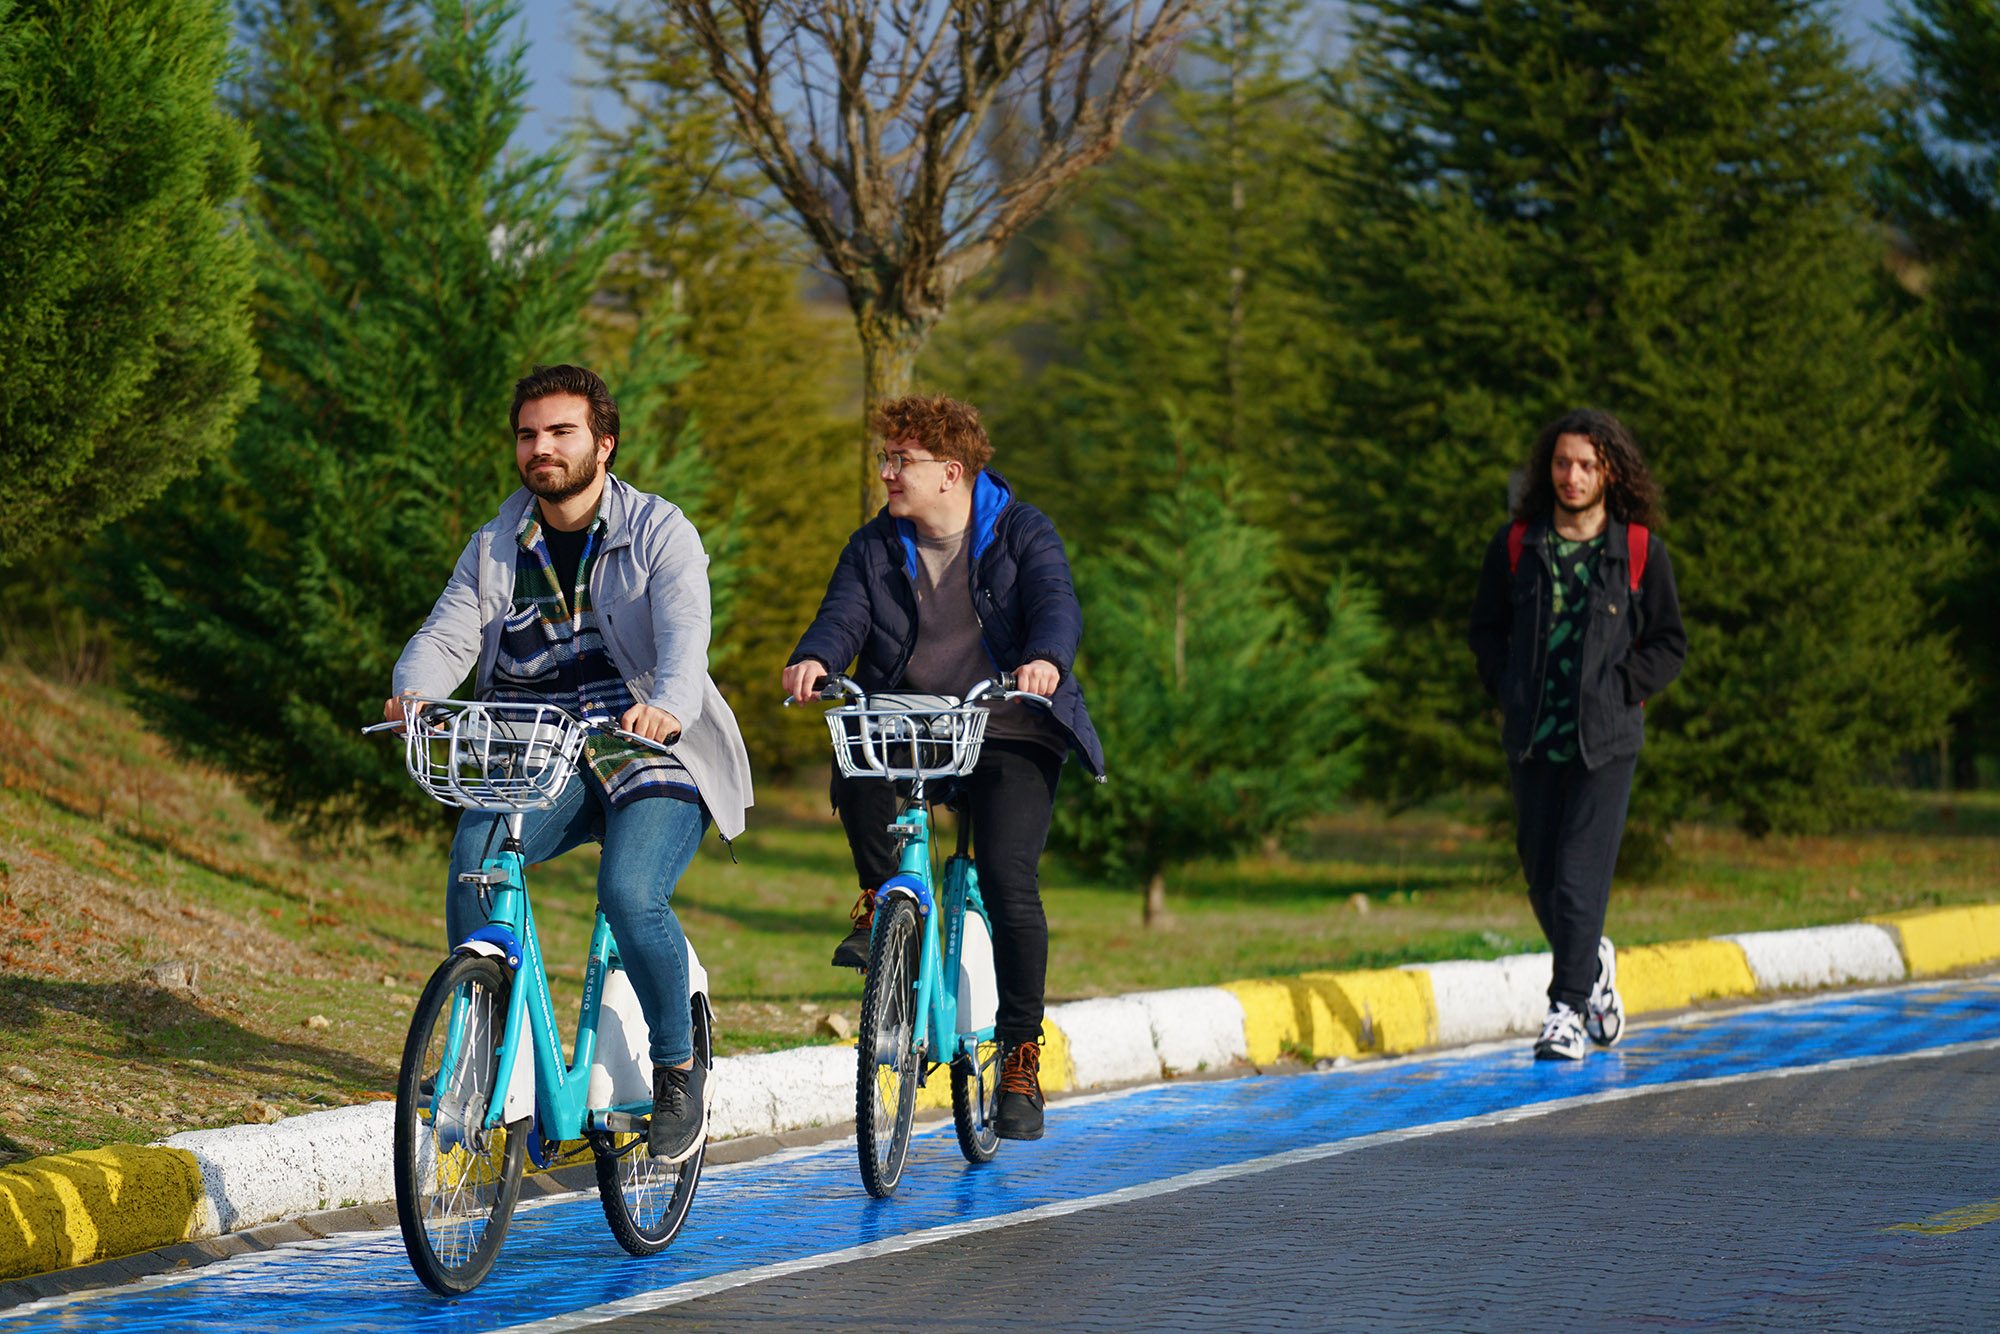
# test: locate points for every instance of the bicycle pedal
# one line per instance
(624, 1123)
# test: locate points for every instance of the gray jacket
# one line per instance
(650, 592)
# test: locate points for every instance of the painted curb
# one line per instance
(1478, 1000)
(72, 1209)
(1666, 977)
(75, 1208)
(1937, 940)
(1822, 956)
(302, 1164)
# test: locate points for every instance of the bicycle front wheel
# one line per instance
(457, 1180)
(645, 1200)
(885, 1086)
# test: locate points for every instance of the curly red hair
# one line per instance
(945, 427)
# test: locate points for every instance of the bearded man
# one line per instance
(1575, 626)
(593, 596)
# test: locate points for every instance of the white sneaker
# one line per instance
(1562, 1035)
(1604, 1012)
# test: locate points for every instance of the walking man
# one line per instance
(1575, 626)
(954, 581)
(587, 594)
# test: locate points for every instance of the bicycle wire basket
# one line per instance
(489, 756)
(907, 736)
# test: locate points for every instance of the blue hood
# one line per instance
(990, 495)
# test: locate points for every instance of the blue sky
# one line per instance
(556, 63)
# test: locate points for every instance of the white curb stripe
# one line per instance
(1821, 956)
(1110, 1040)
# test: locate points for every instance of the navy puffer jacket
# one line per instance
(1021, 592)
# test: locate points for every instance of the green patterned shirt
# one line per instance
(1575, 566)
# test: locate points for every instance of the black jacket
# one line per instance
(1021, 593)
(1633, 645)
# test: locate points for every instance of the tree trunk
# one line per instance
(1156, 899)
(889, 351)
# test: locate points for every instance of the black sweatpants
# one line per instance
(1568, 823)
(1011, 795)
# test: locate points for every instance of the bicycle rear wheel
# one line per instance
(457, 1180)
(974, 1093)
(885, 1086)
(646, 1201)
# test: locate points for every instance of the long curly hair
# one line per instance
(1631, 495)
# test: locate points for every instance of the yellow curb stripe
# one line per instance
(75, 1208)
(1666, 977)
(1058, 1067)
(1336, 1014)
(1938, 940)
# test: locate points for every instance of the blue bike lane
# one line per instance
(561, 1268)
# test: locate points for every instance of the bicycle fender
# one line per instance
(697, 975)
(495, 942)
(910, 887)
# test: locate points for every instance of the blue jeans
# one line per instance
(647, 847)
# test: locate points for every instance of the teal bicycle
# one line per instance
(930, 994)
(483, 1087)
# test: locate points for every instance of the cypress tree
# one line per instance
(405, 280)
(1225, 718)
(124, 269)
(1943, 189)
(1656, 208)
(1183, 315)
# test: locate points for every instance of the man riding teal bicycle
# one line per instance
(587, 594)
(957, 578)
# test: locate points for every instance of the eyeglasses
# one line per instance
(895, 463)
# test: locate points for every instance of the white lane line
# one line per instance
(706, 1287)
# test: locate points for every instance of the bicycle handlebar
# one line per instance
(607, 729)
(837, 687)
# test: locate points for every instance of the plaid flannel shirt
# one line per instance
(552, 653)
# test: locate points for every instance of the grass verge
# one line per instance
(124, 873)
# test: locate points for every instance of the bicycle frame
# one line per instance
(561, 1092)
(936, 1019)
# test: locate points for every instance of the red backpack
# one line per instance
(1636, 542)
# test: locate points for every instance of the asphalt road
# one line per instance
(1818, 1165)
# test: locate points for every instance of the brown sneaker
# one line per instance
(1021, 1101)
(853, 951)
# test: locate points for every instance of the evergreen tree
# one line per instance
(346, 63)
(1944, 190)
(1225, 718)
(763, 384)
(124, 272)
(1654, 208)
(403, 285)
(1182, 299)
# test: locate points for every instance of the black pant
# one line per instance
(1568, 823)
(1010, 796)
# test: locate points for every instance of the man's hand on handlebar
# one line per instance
(1037, 677)
(651, 723)
(802, 680)
(392, 708)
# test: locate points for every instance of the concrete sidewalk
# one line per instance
(78, 1208)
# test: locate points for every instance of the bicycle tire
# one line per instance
(646, 1201)
(972, 1113)
(454, 1233)
(886, 1056)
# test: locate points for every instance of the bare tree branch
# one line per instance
(875, 121)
